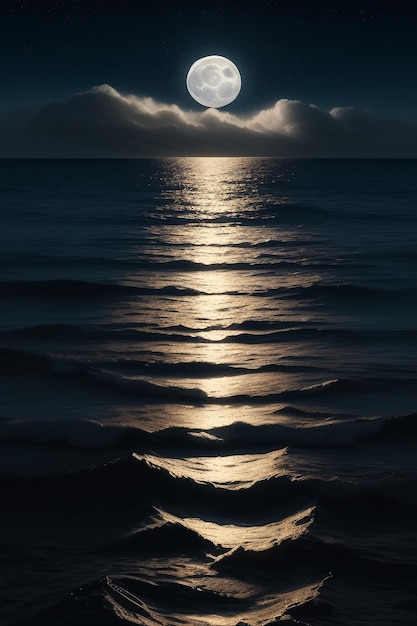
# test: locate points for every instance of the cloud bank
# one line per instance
(104, 123)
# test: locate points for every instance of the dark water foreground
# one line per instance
(209, 398)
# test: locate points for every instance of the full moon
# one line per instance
(213, 81)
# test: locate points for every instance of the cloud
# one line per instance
(104, 123)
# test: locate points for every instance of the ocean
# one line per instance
(208, 392)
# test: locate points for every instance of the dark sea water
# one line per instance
(208, 392)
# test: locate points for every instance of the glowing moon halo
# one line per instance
(213, 81)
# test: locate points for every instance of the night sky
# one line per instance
(357, 53)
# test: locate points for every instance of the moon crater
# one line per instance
(213, 81)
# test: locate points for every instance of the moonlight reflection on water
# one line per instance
(208, 392)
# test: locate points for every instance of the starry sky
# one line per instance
(358, 54)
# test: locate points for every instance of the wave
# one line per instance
(162, 538)
(267, 209)
(296, 333)
(140, 387)
(346, 385)
(146, 264)
(172, 595)
(198, 369)
(22, 362)
(62, 289)
(115, 600)
(343, 430)
(72, 289)
(194, 266)
(183, 334)
(90, 434)
(113, 479)
(292, 411)
(265, 262)
(82, 434)
(341, 292)
(15, 362)
(291, 554)
(327, 389)
(75, 289)
(136, 481)
(12, 361)
(269, 436)
(260, 325)
(96, 333)
(71, 608)
(170, 483)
